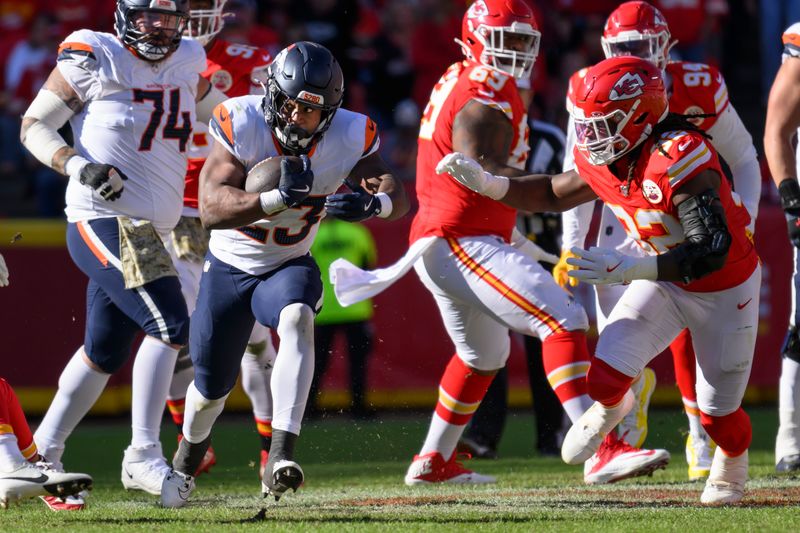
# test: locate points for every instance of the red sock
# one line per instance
(566, 361)
(685, 369)
(12, 420)
(732, 432)
(606, 384)
(460, 392)
(176, 409)
(264, 427)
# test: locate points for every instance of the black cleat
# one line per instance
(285, 475)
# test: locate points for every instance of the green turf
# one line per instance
(354, 483)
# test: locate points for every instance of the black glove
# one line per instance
(790, 201)
(104, 179)
(353, 206)
(295, 184)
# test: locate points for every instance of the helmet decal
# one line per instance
(628, 86)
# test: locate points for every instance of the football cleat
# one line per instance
(144, 469)
(726, 481)
(74, 502)
(585, 436)
(209, 459)
(634, 424)
(176, 489)
(263, 466)
(616, 460)
(699, 456)
(285, 475)
(432, 468)
(475, 449)
(790, 463)
(39, 479)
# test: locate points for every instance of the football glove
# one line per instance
(790, 202)
(3, 272)
(562, 269)
(353, 206)
(471, 175)
(295, 184)
(601, 266)
(106, 180)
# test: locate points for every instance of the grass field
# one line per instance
(354, 476)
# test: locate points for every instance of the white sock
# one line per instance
(695, 427)
(294, 367)
(79, 387)
(789, 396)
(442, 437)
(152, 372)
(575, 407)
(10, 456)
(256, 374)
(200, 414)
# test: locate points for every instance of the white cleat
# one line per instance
(617, 460)
(29, 480)
(726, 481)
(285, 475)
(144, 469)
(699, 455)
(585, 436)
(176, 489)
(634, 424)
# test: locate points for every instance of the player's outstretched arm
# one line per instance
(376, 192)
(223, 201)
(534, 193)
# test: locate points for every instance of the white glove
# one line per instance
(471, 175)
(601, 266)
(531, 249)
(3, 272)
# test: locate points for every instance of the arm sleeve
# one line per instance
(734, 143)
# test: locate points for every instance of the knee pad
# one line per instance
(606, 384)
(732, 432)
(791, 345)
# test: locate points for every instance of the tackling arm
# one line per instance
(783, 119)
(208, 97)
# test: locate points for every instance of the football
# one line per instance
(266, 175)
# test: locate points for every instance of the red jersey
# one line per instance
(694, 89)
(447, 208)
(648, 214)
(233, 69)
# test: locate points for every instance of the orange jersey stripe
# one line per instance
(370, 136)
(75, 46)
(95, 250)
(224, 122)
(502, 288)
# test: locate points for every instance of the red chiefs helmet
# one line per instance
(616, 106)
(501, 34)
(637, 29)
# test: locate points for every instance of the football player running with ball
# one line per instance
(483, 274)
(258, 267)
(639, 29)
(701, 271)
(131, 100)
(236, 70)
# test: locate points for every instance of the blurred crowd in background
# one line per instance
(392, 53)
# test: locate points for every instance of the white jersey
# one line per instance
(263, 246)
(136, 116)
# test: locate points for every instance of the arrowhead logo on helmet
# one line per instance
(627, 87)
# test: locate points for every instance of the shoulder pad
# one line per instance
(680, 155)
(79, 48)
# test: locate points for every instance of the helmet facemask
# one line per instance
(653, 47)
(498, 52)
(152, 34)
(205, 24)
(600, 137)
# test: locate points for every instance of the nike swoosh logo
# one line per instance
(683, 146)
(128, 473)
(304, 189)
(41, 479)
(742, 306)
(612, 269)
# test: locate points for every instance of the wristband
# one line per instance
(74, 166)
(271, 202)
(496, 186)
(386, 205)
